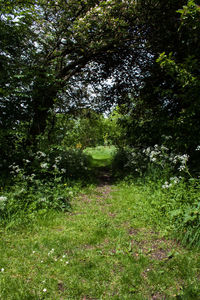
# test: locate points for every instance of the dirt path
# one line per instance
(149, 265)
(104, 249)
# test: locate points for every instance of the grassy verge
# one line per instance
(109, 247)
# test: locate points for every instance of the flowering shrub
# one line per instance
(57, 164)
(41, 182)
(155, 161)
(173, 194)
(71, 163)
(22, 202)
(172, 182)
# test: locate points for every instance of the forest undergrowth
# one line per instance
(99, 149)
(111, 245)
(114, 238)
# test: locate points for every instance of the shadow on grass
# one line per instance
(100, 162)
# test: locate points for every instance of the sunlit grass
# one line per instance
(101, 156)
(108, 247)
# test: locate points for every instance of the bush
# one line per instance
(41, 182)
(23, 201)
(155, 161)
(54, 164)
(186, 216)
(173, 195)
(179, 202)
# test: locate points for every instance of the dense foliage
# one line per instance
(48, 52)
(56, 57)
(167, 102)
(87, 73)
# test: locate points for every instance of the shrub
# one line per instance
(172, 194)
(155, 161)
(41, 182)
(186, 216)
(56, 163)
(23, 201)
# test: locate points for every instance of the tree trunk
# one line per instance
(43, 101)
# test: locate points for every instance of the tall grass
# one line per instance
(172, 195)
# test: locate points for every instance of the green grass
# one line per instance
(109, 247)
(101, 156)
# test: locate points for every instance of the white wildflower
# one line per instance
(148, 150)
(165, 185)
(164, 148)
(181, 168)
(51, 251)
(2, 270)
(153, 159)
(17, 170)
(184, 158)
(153, 154)
(41, 154)
(57, 159)
(3, 198)
(175, 159)
(167, 137)
(44, 290)
(198, 148)
(43, 165)
(176, 180)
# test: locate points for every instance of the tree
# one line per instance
(68, 49)
(15, 40)
(185, 72)
(62, 41)
(84, 129)
(167, 100)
